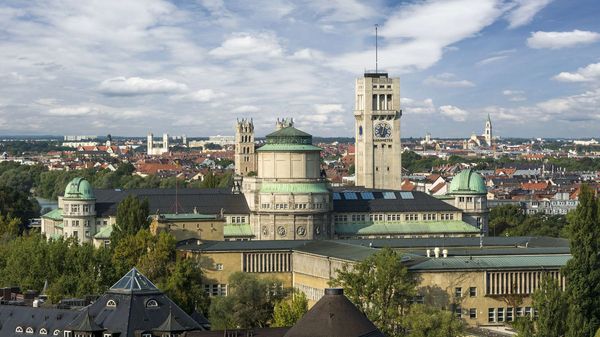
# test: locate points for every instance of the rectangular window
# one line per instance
(473, 313)
(527, 311)
(509, 314)
(491, 315)
(87, 234)
(519, 312)
(75, 234)
(461, 199)
(458, 292)
(500, 314)
(458, 312)
(472, 291)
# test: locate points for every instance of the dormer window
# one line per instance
(43, 331)
(19, 330)
(151, 304)
(111, 304)
(29, 330)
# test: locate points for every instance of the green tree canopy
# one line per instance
(583, 269)
(381, 287)
(424, 321)
(551, 305)
(132, 215)
(289, 310)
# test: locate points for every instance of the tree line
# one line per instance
(510, 220)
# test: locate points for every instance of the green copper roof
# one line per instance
(187, 216)
(104, 232)
(494, 262)
(294, 188)
(441, 227)
(467, 182)
(60, 225)
(288, 147)
(55, 214)
(79, 188)
(289, 135)
(237, 230)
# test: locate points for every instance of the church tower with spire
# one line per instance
(487, 134)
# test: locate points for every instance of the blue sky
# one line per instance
(193, 67)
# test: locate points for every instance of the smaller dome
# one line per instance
(79, 188)
(467, 182)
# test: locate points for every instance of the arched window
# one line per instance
(29, 330)
(43, 331)
(151, 304)
(111, 304)
(19, 330)
(56, 332)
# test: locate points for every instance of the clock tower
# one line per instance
(377, 131)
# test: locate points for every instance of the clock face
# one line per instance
(383, 130)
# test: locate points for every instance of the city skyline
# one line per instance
(182, 68)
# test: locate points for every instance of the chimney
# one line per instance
(436, 251)
(428, 252)
(334, 291)
(445, 253)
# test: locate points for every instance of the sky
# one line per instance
(129, 67)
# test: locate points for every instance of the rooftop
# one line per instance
(133, 282)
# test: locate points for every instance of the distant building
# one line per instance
(152, 149)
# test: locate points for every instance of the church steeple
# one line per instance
(487, 134)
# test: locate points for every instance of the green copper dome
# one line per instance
(289, 139)
(79, 188)
(467, 182)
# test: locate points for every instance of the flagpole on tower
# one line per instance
(376, 50)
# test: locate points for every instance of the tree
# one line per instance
(381, 287)
(583, 269)
(249, 304)
(184, 286)
(424, 321)
(9, 226)
(288, 311)
(132, 215)
(552, 308)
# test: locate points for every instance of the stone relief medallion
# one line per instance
(281, 231)
(265, 230)
(301, 231)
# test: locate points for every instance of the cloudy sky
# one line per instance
(126, 67)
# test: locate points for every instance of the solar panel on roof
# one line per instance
(406, 195)
(367, 195)
(389, 195)
(336, 196)
(350, 196)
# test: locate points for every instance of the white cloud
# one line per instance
(202, 95)
(589, 73)
(307, 54)
(324, 109)
(72, 111)
(495, 57)
(557, 40)
(453, 112)
(514, 95)
(245, 44)
(524, 12)
(246, 109)
(132, 86)
(413, 106)
(447, 80)
(340, 11)
(416, 35)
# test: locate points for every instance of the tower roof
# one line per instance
(79, 188)
(467, 182)
(289, 139)
(133, 282)
(334, 316)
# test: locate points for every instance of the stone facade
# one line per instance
(245, 155)
(377, 132)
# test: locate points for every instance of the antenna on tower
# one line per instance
(376, 50)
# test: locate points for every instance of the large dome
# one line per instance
(288, 139)
(467, 182)
(79, 188)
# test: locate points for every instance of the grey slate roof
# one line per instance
(334, 316)
(51, 319)
(387, 201)
(205, 201)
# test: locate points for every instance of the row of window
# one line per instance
(215, 289)
(267, 262)
(458, 292)
(499, 315)
(75, 234)
(75, 223)
(237, 219)
(30, 331)
(151, 303)
(522, 283)
(293, 206)
(74, 208)
(342, 218)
